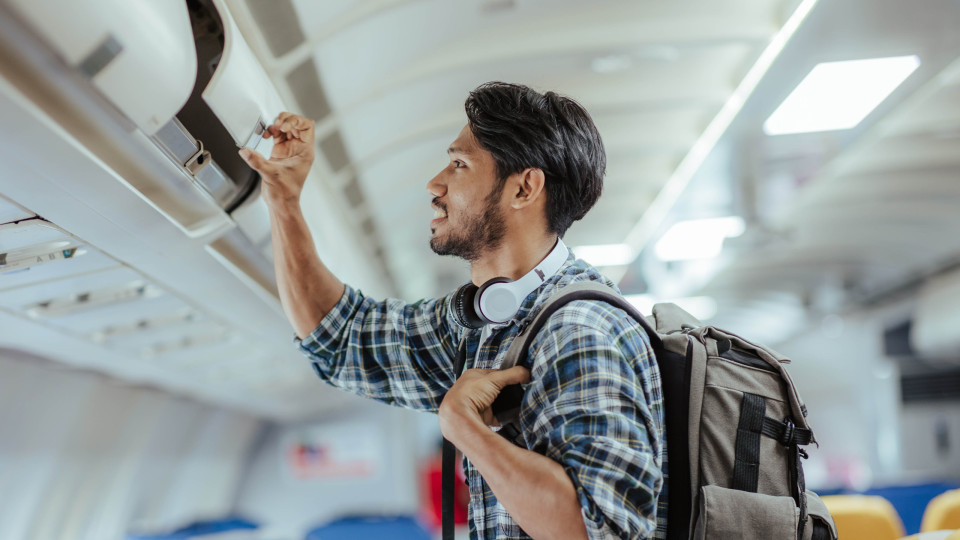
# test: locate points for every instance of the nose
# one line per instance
(436, 186)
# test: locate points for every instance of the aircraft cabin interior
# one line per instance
(785, 170)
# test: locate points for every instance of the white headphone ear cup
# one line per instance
(496, 301)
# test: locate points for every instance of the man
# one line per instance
(523, 169)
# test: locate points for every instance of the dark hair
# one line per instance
(523, 128)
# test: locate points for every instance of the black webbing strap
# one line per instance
(746, 467)
(447, 479)
(801, 485)
(792, 437)
(784, 432)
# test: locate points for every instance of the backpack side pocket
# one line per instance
(730, 513)
(819, 525)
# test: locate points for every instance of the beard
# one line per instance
(481, 232)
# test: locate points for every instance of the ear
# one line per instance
(528, 188)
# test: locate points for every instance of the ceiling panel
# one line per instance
(11, 212)
(33, 236)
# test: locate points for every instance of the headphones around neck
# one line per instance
(499, 299)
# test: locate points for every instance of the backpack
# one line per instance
(735, 426)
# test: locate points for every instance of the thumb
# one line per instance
(256, 162)
(514, 375)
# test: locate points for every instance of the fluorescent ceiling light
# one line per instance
(58, 307)
(144, 325)
(657, 211)
(701, 307)
(188, 342)
(838, 95)
(698, 239)
(606, 254)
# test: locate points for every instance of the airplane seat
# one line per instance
(864, 517)
(934, 535)
(943, 512)
(237, 528)
(370, 528)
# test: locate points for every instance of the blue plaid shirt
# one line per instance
(594, 404)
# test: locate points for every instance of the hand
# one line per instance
(286, 171)
(467, 403)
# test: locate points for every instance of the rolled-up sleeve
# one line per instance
(388, 350)
(595, 406)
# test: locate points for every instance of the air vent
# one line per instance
(304, 82)
(278, 23)
(934, 386)
(896, 340)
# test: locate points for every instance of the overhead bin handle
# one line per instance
(198, 161)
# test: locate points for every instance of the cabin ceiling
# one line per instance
(654, 75)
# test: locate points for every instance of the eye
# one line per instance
(457, 164)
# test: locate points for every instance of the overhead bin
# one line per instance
(183, 77)
(123, 48)
(164, 93)
(171, 281)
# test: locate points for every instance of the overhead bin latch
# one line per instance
(198, 161)
(255, 138)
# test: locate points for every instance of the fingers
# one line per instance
(514, 375)
(292, 126)
(256, 161)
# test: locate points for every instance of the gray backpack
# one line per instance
(735, 426)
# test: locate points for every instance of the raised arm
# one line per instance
(308, 290)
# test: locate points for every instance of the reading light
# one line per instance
(697, 239)
(143, 325)
(59, 307)
(605, 254)
(839, 95)
(187, 342)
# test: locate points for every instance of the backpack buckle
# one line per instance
(788, 430)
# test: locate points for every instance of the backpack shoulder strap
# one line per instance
(507, 405)
(587, 290)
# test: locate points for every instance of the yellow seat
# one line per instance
(934, 535)
(864, 517)
(943, 512)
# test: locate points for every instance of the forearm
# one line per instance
(308, 290)
(534, 489)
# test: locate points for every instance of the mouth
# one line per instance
(439, 214)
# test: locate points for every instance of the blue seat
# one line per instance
(199, 528)
(371, 528)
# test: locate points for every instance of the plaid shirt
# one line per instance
(594, 404)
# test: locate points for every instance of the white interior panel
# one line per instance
(12, 212)
(77, 29)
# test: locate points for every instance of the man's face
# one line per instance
(468, 218)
